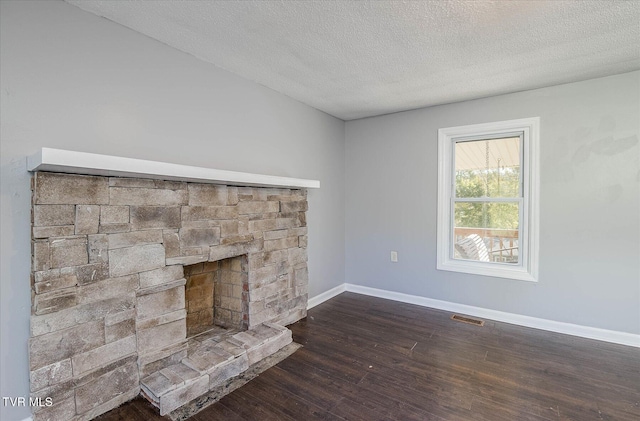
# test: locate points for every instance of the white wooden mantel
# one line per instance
(71, 162)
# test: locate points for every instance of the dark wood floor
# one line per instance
(369, 359)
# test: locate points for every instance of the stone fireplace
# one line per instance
(168, 288)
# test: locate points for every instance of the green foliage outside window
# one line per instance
(492, 183)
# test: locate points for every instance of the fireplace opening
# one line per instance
(216, 295)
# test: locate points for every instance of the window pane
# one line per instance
(486, 231)
(488, 168)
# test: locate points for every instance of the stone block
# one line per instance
(262, 225)
(170, 185)
(92, 273)
(268, 289)
(294, 206)
(228, 369)
(103, 355)
(276, 234)
(282, 243)
(53, 280)
(181, 395)
(238, 239)
(108, 288)
(135, 238)
(52, 322)
(124, 261)
(92, 375)
(67, 189)
(57, 392)
(206, 358)
(263, 316)
(57, 346)
(163, 287)
(235, 349)
(162, 358)
(69, 251)
(119, 325)
(180, 372)
(156, 385)
(265, 333)
(106, 387)
(262, 276)
(187, 260)
(98, 245)
(116, 331)
(275, 257)
(161, 336)
(161, 319)
(229, 228)
(233, 195)
(64, 409)
(147, 197)
(257, 207)
(132, 182)
(53, 301)
(301, 275)
(101, 308)
(171, 242)
(114, 318)
(87, 219)
(293, 316)
(280, 194)
(201, 213)
(50, 375)
(267, 348)
(160, 276)
(208, 195)
(287, 220)
(161, 302)
(199, 237)
(53, 215)
(147, 217)
(41, 256)
(233, 250)
(109, 405)
(113, 228)
(297, 256)
(246, 193)
(114, 214)
(60, 231)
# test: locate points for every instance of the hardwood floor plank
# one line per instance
(366, 358)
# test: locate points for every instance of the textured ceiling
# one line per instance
(355, 59)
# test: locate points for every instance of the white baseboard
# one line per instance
(612, 336)
(327, 295)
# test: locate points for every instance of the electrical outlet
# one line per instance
(394, 256)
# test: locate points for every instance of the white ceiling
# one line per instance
(356, 59)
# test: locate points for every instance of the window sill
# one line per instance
(487, 269)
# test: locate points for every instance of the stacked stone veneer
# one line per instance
(108, 288)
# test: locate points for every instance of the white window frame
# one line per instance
(527, 267)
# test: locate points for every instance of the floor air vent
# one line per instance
(468, 320)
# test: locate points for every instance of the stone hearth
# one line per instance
(109, 308)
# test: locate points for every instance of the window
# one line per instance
(488, 199)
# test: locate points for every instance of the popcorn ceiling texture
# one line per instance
(108, 286)
(356, 59)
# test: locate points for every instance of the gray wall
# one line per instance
(589, 209)
(71, 80)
